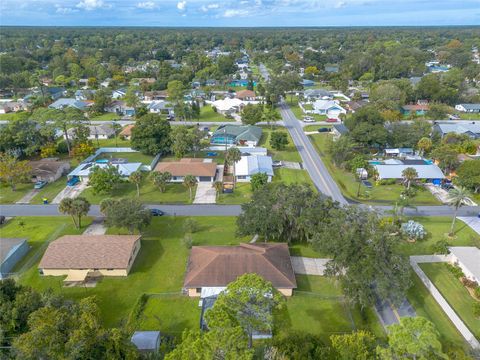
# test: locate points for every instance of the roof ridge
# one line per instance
(278, 269)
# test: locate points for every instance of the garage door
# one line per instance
(205, 178)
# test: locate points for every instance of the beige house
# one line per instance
(49, 169)
(212, 267)
(204, 170)
(82, 256)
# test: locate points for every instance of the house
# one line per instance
(55, 92)
(155, 95)
(306, 82)
(399, 152)
(468, 108)
(83, 95)
(246, 95)
(468, 259)
(239, 83)
(329, 108)
(243, 135)
(317, 94)
(339, 130)
(472, 129)
(125, 169)
(245, 150)
(393, 170)
(146, 341)
(160, 107)
(48, 169)
(119, 93)
(126, 132)
(11, 106)
(82, 256)
(250, 165)
(204, 170)
(120, 107)
(353, 106)
(227, 105)
(102, 131)
(417, 109)
(65, 102)
(217, 266)
(12, 250)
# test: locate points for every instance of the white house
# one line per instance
(119, 93)
(102, 131)
(468, 259)
(83, 170)
(228, 105)
(253, 164)
(329, 108)
(468, 108)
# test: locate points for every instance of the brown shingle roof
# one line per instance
(89, 252)
(220, 265)
(188, 166)
(242, 94)
(127, 130)
(47, 166)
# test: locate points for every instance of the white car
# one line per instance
(308, 119)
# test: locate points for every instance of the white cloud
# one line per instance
(182, 5)
(92, 5)
(235, 12)
(148, 5)
(206, 8)
(64, 10)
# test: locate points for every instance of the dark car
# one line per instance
(323, 129)
(367, 184)
(40, 184)
(73, 181)
(156, 212)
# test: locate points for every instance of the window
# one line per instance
(241, 177)
(198, 290)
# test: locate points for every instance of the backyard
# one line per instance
(455, 293)
(130, 156)
(378, 194)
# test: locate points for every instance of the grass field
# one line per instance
(438, 228)
(292, 176)
(7, 196)
(207, 114)
(241, 194)
(159, 268)
(106, 117)
(315, 127)
(455, 293)
(290, 152)
(174, 193)
(130, 156)
(426, 306)
(118, 142)
(379, 194)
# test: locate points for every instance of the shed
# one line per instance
(146, 341)
(12, 250)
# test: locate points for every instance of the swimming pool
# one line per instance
(102, 161)
(375, 162)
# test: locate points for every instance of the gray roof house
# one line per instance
(470, 129)
(394, 171)
(146, 341)
(468, 258)
(12, 250)
(66, 102)
(339, 130)
(102, 131)
(316, 94)
(251, 165)
(237, 135)
(469, 108)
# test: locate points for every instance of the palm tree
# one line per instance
(456, 198)
(218, 185)
(409, 174)
(76, 208)
(136, 178)
(161, 179)
(232, 156)
(424, 144)
(190, 181)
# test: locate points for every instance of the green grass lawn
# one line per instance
(426, 306)
(207, 114)
(106, 117)
(315, 127)
(49, 191)
(455, 293)
(174, 193)
(379, 194)
(241, 194)
(7, 196)
(438, 228)
(469, 116)
(290, 152)
(38, 230)
(130, 156)
(118, 142)
(159, 268)
(292, 176)
(318, 307)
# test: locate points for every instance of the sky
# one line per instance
(239, 13)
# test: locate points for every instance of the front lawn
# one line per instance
(7, 196)
(118, 142)
(241, 194)
(438, 228)
(208, 115)
(378, 194)
(158, 269)
(130, 156)
(293, 176)
(106, 117)
(174, 193)
(426, 306)
(455, 293)
(49, 191)
(290, 152)
(315, 127)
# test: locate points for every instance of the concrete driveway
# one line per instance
(472, 221)
(308, 266)
(206, 193)
(28, 197)
(70, 192)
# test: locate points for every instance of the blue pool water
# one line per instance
(375, 162)
(101, 161)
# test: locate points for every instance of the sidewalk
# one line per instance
(472, 221)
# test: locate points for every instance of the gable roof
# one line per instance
(220, 265)
(89, 252)
(188, 166)
(342, 129)
(327, 105)
(321, 93)
(459, 128)
(66, 102)
(127, 130)
(253, 164)
(241, 132)
(470, 107)
(245, 94)
(47, 166)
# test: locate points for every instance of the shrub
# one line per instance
(414, 230)
(455, 270)
(62, 147)
(387, 182)
(469, 283)
(476, 292)
(476, 309)
(190, 226)
(441, 247)
(187, 241)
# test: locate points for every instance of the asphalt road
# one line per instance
(310, 158)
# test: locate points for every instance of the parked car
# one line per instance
(367, 184)
(156, 212)
(308, 119)
(74, 180)
(40, 184)
(332, 120)
(323, 129)
(277, 164)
